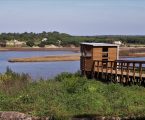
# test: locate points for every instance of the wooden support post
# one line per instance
(115, 71)
(102, 70)
(140, 71)
(97, 69)
(127, 77)
(106, 70)
(134, 72)
(121, 77)
(93, 70)
(111, 70)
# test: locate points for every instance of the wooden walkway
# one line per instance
(123, 71)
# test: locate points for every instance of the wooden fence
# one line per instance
(123, 71)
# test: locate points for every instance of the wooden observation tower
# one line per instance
(96, 51)
(101, 60)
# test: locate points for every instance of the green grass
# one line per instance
(69, 95)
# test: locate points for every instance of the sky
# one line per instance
(75, 17)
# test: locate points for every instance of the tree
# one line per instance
(30, 43)
(42, 44)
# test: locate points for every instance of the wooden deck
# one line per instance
(123, 71)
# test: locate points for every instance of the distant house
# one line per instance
(117, 42)
(15, 43)
(2, 43)
(10, 43)
(44, 39)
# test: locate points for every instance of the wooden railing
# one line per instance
(119, 70)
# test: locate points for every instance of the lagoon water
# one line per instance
(41, 69)
(38, 69)
(136, 58)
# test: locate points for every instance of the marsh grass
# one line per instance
(70, 95)
(11, 82)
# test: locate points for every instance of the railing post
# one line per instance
(134, 72)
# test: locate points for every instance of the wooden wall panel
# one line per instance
(86, 64)
(112, 54)
(97, 53)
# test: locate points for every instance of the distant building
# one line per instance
(3, 44)
(15, 43)
(44, 39)
(117, 42)
(59, 42)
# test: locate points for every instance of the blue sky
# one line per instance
(76, 17)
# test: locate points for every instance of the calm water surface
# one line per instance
(41, 69)
(38, 69)
(136, 58)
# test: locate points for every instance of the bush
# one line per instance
(11, 82)
(42, 44)
(30, 43)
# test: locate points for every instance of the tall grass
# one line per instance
(11, 82)
(70, 95)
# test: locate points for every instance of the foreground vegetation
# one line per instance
(68, 95)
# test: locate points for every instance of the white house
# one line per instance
(117, 42)
(15, 43)
(44, 39)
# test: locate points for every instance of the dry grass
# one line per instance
(39, 49)
(136, 54)
(74, 57)
(131, 52)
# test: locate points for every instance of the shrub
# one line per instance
(11, 82)
(30, 43)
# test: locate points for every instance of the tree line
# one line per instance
(63, 39)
